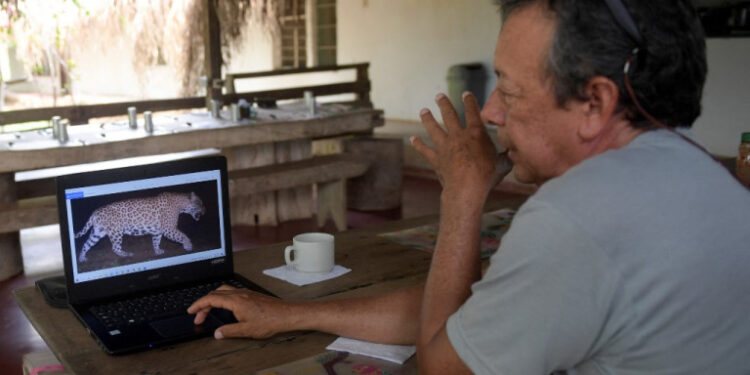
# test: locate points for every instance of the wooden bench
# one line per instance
(328, 173)
(28, 204)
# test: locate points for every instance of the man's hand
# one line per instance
(468, 166)
(258, 315)
(465, 159)
(389, 318)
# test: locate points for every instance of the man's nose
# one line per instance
(493, 111)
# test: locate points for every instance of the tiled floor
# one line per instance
(42, 258)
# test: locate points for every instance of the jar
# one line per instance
(743, 160)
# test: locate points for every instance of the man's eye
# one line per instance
(504, 94)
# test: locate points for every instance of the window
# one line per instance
(293, 34)
(326, 32)
(308, 33)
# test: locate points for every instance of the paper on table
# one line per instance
(289, 275)
(394, 353)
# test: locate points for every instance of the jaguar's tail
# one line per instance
(87, 226)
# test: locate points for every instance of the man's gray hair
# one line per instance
(669, 74)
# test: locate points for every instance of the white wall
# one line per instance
(252, 52)
(726, 97)
(106, 68)
(411, 43)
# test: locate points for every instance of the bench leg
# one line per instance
(11, 262)
(380, 187)
(332, 200)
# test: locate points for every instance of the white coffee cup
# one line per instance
(313, 252)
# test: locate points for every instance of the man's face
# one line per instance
(539, 135)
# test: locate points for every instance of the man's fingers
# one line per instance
(209, 301)
(200, 316)
(229, 331)
(436, 133)
(226, 287)
(450, 117)
(471, 110)
(426, 151)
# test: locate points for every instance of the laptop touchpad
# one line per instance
(183, 325)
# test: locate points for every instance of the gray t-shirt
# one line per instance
(636, 261)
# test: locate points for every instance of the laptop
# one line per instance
(140, 244)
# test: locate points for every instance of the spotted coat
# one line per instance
(156, 216)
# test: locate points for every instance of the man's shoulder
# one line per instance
(601, 179)
(658, 175)
(648, 168)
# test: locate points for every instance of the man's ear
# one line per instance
(599, 107)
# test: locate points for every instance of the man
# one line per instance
(633, 255)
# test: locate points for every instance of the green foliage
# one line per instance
(37, 69)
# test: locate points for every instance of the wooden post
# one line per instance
(380, 187)
(229, 84)
(212, 43)
(363, 80)
(332, 201)
(330, 196)
(11, 262)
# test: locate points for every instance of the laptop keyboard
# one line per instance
(153, 306)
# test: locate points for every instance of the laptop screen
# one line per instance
(141, 225)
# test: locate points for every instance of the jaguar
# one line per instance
(156, 216)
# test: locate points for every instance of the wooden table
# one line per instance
(378, 265)
(273, 137)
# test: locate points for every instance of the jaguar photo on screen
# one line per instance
(138, 226)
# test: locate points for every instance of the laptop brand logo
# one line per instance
(217, 261)
(153, 277)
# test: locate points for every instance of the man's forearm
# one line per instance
(455, 265)
(391, 318)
